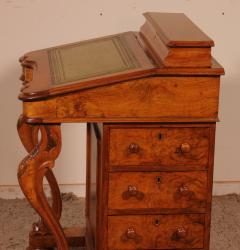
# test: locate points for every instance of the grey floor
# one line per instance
(16, 217)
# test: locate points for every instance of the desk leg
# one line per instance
(33, 168)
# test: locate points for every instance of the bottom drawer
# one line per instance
(156, 231)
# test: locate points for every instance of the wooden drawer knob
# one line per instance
(132, 192)
(130, 234)
(133, 148)
(179, 234)
(184, 191)
(185, 148)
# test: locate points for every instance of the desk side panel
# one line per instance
(159, 99)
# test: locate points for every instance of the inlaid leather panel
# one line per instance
(156, 231)
(82, 60)
(168, 147)
(162, 190)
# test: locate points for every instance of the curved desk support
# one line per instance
(33, 168)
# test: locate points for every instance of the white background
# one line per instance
(27, 25)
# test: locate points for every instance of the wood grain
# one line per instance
(36, 64)
(91, 186)
(155, 99)
(33, 168)
(177, 30)
(75, 237)
(161, 190)
(174, 57)
(94, 202)
(161, 147)
(191, 49)
(156, 231)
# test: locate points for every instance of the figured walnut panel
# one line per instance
(154, 98)
(163, 146)
(162, 190)
(156, 232)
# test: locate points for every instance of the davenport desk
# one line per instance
(150, 101)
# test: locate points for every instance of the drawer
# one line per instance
(159, 146)
(161, 190)
(156, 231)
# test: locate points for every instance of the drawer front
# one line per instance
(156, 231)
(165, 146)
(162, 190)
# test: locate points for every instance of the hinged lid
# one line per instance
(177, 30)
(175, 41)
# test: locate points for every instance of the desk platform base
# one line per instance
(75, 237)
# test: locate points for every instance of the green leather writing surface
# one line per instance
(90, 59)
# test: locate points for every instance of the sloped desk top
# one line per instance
(83, 64)
(158, 49)
(165, 72)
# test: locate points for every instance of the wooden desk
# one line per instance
(150, 101)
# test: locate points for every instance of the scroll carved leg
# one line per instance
(29, 137)
(34, 168)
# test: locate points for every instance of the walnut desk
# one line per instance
(150, 101)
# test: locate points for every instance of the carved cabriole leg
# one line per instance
(29, 137)
(32, 170)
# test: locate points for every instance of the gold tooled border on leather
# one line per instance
(57, 68)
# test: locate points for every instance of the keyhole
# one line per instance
(160, 136)
(157, 222)
(158, 179)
